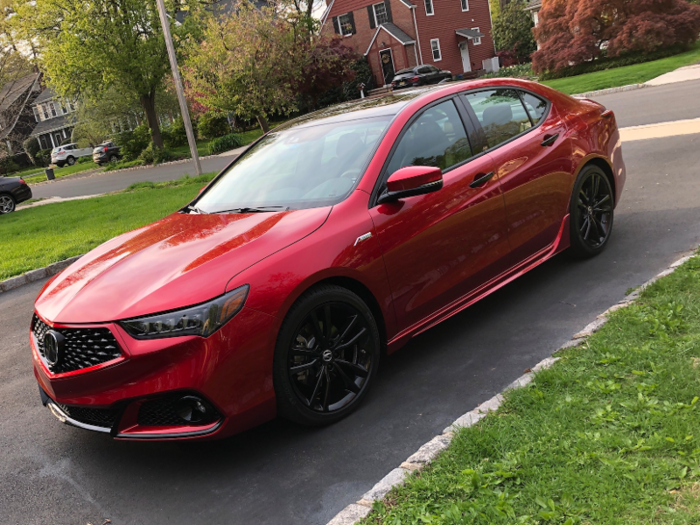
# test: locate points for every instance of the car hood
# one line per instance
(178, 261)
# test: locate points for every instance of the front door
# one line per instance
(439, 247)
(466, 61)
(387, 62)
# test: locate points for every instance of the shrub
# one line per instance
(517, 71)
(212, 125)
(43, 157)
(155, 155)
(132, 143)
(225, 143)
(174, 135)
(512, 31)
(83, 160)
(31, 147)
(7, 165)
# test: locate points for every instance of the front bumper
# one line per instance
(136, 396)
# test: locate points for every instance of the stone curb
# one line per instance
(353, 513)
(35, 275)
(609, 91)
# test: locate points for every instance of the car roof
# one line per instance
(387, 105)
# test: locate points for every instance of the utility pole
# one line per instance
(178, 86)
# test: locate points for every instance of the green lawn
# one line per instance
(622, 76)
(34, 175)
(609, 435)
(33, 238)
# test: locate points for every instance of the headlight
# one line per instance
(203, 319)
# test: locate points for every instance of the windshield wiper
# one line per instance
(256, 209)
(194, 210)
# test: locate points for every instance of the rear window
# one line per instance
(404, 71)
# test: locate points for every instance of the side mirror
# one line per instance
(410, 181)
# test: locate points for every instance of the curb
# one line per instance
(355, 512)
(36, 275)
(608, 91)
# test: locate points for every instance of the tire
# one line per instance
(591, 213)
(7, 203)
(321, 377)
(113, 158)
(70, 161)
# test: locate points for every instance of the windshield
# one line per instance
(298, 168)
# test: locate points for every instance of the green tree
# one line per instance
(512, 31)
(91, 49)
(495, 6)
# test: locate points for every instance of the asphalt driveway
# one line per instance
(283, 474)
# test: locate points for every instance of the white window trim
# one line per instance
(340, 26)
(374, 11)
(462, 2)
(476, 41)
(432, 8)
(432, 52)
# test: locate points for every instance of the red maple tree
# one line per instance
(575, 31)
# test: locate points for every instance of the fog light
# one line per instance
(193, 409)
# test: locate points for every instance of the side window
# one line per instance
(536, 106)
(501, 114)
(423, 70)
(437, 138)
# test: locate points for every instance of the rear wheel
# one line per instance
(7, 203)
(326, 357)
(591, 220)
(113, 158)
(70, 161)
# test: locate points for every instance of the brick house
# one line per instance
(395, 34)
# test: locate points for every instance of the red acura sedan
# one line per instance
(335, 237)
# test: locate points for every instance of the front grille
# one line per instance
(162, 413)
(85, 347)
(99, 417)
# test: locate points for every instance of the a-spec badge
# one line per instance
(362, 238)
(54, 344)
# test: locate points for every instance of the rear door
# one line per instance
(440, 246)
(532, 156)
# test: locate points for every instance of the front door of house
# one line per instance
(387, 65)
(466, 61)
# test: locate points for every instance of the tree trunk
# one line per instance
(148, 103)
(263, 123)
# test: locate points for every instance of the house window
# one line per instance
(465, 5)
(435, 46)
(380, 16)
(345, 24)
(53, 109)
(429, 7)
(477, 39)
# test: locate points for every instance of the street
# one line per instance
(280, 473)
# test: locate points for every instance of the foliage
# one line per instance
(517, 71)
(31, 147)
(155, 155)
(43, 157)
(512, 31)
(105, 46)
(8, 165)
(495, 6)
(256, 61)
(225, 143)
(132, 143)
(174, 135)
(608, 435)
(123, 164)
(572, 32)
(212, 124)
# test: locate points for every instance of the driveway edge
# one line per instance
(35, 275)
(355, 512)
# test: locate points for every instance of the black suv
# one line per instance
(106, 152)
(419, 76)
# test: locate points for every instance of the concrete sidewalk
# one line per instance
(682, 74)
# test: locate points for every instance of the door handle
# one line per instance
(549, 140)
(480, 179)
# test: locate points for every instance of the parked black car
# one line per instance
(13, 190)
(106, 152)
(419, 76)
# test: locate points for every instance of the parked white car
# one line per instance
(67, 154)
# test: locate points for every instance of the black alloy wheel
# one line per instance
(327, 355)
(591, 218)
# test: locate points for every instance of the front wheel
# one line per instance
(70, 161)
(326, 356)
(7, 204)
(591, 209)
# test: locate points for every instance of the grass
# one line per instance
(34, 175)
(36, 237)
(622, 76)
(609, 435)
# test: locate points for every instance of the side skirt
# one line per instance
(561, 242)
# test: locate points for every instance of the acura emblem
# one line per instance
(53, 347)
